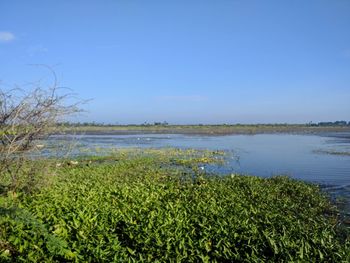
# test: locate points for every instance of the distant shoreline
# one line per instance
(205, 129)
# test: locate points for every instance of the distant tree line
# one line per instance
(99, 124)
(79, 124)
(164, 123)
(329, 123)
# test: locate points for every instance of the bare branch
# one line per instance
(28, 116)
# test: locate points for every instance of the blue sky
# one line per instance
(186, 61)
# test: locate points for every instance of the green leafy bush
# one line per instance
(159, 207)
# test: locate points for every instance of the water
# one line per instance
(298, 156)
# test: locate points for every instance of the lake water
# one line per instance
(298, 156)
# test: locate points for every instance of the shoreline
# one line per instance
(208, 130)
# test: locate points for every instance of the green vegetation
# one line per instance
(160, 206)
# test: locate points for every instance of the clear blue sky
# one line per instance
(186, 61)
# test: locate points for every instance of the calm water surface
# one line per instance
(299, 156)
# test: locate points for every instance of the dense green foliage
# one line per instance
(160, 207)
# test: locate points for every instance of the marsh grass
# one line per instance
(157, 206)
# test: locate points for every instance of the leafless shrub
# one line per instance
(27, 117)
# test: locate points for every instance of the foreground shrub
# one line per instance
(159, 209)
